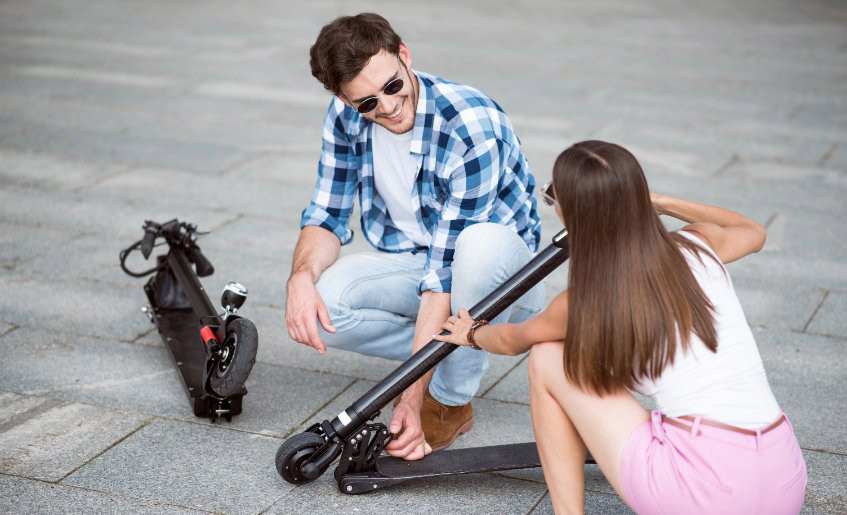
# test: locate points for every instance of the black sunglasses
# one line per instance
(547, 193)
(369, 104)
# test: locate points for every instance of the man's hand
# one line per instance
(303, 307)
(410, 444)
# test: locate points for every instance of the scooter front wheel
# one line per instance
(293, 452)
(230, 371)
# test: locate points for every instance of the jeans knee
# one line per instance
(485, 251)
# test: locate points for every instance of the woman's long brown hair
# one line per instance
(631, 294)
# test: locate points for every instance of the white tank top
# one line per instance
(395, 172)
(729, 385)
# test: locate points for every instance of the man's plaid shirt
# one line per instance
(471, 167)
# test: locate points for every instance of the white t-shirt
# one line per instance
(729, 385)
(395, 172)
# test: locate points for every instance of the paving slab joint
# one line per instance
(142, 425)
(483, 394)
(12, 327)
(823, 299)
(320, 408)
(732, 161)
(826, 155)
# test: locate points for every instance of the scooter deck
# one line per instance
(180, 332)
(391, 471)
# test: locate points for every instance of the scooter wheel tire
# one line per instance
(242, 341)
(293, 452)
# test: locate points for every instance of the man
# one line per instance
(446, 198)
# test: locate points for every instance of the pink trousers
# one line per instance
(669, 470)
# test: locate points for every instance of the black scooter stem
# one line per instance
(349, 420)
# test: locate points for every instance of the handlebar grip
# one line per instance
(204, 266)
(147, 243)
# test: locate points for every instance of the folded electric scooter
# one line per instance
(214, 352)
(359, 442)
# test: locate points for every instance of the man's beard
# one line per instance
(401, 129)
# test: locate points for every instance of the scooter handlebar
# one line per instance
(204, 266)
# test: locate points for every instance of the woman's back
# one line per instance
(729, 385)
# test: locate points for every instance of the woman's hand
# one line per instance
(458, 327)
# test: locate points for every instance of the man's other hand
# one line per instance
(303, 309)
(409, 442)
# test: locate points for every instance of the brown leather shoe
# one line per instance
(443, 424)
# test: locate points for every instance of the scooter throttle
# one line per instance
(204, 266)
(148, 241)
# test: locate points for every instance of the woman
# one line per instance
(654, 312)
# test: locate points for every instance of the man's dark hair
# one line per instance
(345, 46)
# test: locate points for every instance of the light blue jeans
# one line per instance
(373, 302)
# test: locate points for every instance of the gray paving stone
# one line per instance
(807, 378)
(142, 378)
(595, 503)
(38, 170)
(189, 189)
(90, 145)
(826, 491)
(27, 497)
(831, 318)
(78, 212)
(19, 244)
(746, 111)
(777, 307)
(92, 371)
(279, 399)
(44, 438)
(187, 464)
(72, 307)
(476, 493)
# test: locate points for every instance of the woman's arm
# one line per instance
(511, 339)
(731, 235)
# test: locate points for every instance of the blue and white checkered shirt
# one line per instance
(471, 166)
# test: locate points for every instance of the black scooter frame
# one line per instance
(180, 309)
(349, 435)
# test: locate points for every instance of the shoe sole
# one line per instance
(462, 430)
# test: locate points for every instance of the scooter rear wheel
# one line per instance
(229, 374)
(293, 452)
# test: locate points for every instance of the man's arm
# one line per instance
(324, 230)
(433, 311)
(473, 188)
(316, 249)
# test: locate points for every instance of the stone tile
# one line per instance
(84, 212)
(27, 497)
(187, 467)
(32, 169)
(20, 244)
(831, 318)
(595, 503)
(78, 307)
(476, 493)
(807, 378)
(111, 147)
(106, 374)
(188, 188)
(93, 371)
(826, 491)
(777, 307)
(280, 399)
(44, 438)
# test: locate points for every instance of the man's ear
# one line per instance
(405, 55)
(344, 99)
